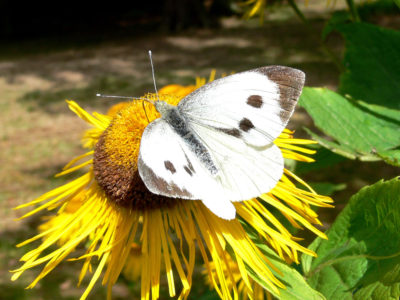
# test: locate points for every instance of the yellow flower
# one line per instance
(254, 7)
(133, 264)
(250, 290)
(109, 210)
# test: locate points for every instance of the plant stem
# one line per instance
(353, 11)
(293, 4)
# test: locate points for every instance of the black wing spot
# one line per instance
(232, 131)
(188, 170)
(169, 166)
(245, 124)
(255, 101)
(189, 164)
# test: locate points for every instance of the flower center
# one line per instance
(116, 154)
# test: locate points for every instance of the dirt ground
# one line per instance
(39, 134)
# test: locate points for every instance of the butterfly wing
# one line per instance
(236, 119)
(168, 167)
(245, 171)
(254, 105)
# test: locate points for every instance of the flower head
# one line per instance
(111, 211)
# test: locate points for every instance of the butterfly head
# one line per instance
(163, 107)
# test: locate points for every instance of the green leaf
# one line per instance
(391, 157)
(327, 188)
(335, 147)
(323, 159)
(360, 130)
(361, 259)
(372, 63)
(337, 18)
(296, 287)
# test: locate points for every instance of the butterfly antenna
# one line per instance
(113, 96)
(133, 98)
(152, 72)
(125, 97)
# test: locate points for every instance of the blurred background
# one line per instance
(52, 51)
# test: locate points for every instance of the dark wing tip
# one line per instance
(290, 82)
(284, 75)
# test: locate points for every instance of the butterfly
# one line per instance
(217, 145)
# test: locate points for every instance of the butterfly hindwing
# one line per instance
(254, 105)
(245, 172)
(168, 167)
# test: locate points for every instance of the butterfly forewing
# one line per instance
(254, 105)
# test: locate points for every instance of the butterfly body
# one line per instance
(217, 144)
(173, 117)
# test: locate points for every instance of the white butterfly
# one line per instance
(217, 144)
